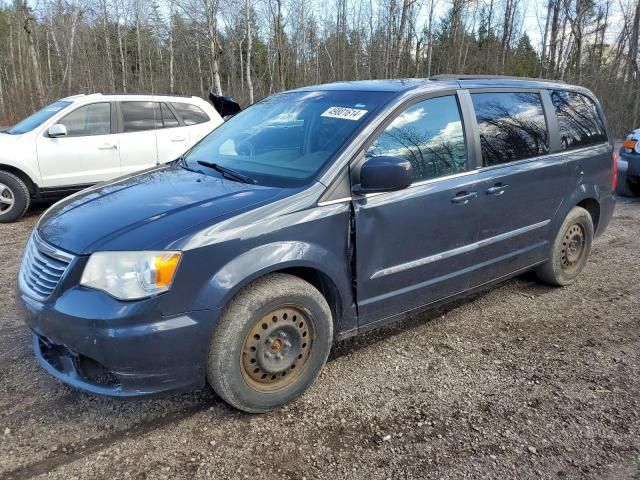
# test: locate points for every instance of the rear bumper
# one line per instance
(607, 205)
(630, 163)
(121, 349)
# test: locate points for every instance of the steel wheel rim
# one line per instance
(7, 199)
(573, 247)
(277, 348)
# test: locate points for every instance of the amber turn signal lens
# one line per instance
(165, 269)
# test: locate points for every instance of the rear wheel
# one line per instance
(270, 344)
(570, 250)
(14, 197)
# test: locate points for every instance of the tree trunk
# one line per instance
(400, 35)
(249, 47)
(553, 42)
(28, 27)
(632, 64)
(430, 37)
(212, 11)
(543, 56)
(139, 48)
(69, 65)
(199, 62)
(107, 45)
(171, 60)
(123, 64)
(280, 46)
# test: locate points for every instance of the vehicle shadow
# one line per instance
(527, 282)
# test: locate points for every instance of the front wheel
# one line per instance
(270, 343)
(14, 197)
(570, 250)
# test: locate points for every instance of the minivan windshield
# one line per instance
(37, 119)
(286, 139)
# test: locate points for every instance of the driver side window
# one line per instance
(92, 119)
(429, 135)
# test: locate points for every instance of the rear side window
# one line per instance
(140, 116)
(579, 122)
(190, 114)
(512, 126)
(168, 118)
(93, 119)
(429, 135)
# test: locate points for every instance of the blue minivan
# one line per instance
(314, 215)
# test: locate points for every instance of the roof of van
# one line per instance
(441, 81)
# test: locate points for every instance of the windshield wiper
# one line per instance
(182, 162)
(228, 172)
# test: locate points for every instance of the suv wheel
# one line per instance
(14, 197)
(270, 343)
(570, 250)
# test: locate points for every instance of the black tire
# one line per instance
(248, 332)
(570, 250)
(624, 187)
(14, 190)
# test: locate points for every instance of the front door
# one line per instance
(88, 154)
(415, 246)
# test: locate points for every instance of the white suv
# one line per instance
(85, 139)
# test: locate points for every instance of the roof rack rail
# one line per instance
(490, 77)
(148, 93)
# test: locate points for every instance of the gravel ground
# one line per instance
(521, 381)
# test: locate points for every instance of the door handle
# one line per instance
(462, 198)
(107, 146)
(178, 139)
(497, 189)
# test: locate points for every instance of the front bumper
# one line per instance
(95, 343)
(630, 162)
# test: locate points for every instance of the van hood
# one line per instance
(147, 210)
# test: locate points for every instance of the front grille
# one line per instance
(42, 268)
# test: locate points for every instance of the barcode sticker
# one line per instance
(344, 113)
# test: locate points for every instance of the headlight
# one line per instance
(131, 275)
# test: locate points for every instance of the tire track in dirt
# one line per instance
(58, 460)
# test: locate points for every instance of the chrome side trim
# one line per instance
(464, 271)
(457, 251)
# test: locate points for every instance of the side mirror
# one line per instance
(384, 174)
(57, 130)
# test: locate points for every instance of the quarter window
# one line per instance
(140, 116)
(429, 135)
(512, 126)
(168, 118)
(578, 120)
(92, 119)
(190, 114)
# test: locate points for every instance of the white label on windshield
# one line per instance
(344, 113)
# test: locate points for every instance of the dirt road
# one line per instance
(522, 381)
